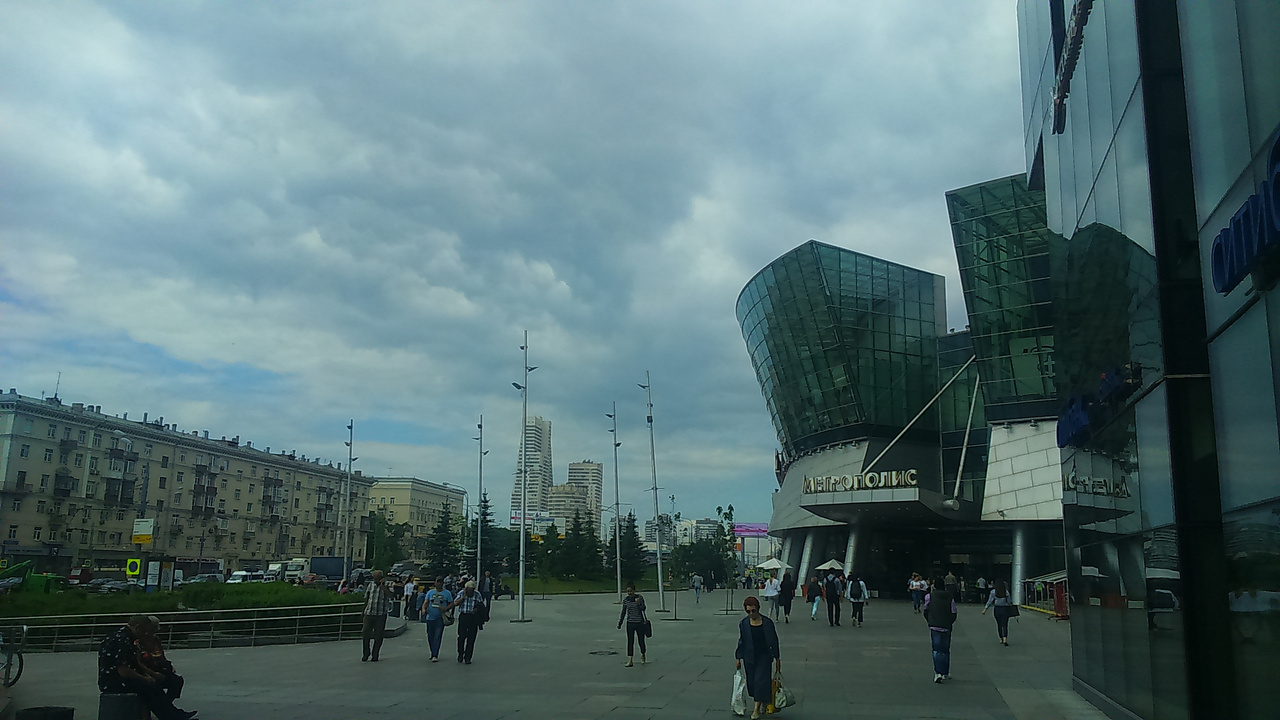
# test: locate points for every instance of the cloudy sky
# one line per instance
(262, 219)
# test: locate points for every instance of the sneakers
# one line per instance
(435, 659)
(630, 663)
(642, 659)
(947, 676)
(937, 678)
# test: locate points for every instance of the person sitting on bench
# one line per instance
(151, 652)
(120, 671)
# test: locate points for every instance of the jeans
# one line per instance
(941, 651)
(435, 632)
(1002, 620)
(833, 611)
(697, 594)
(813, 612)
(917, 599)
(468, 626)
(375, 629)
(153, 696)
(635, 630)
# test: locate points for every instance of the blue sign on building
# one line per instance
(1252, 235)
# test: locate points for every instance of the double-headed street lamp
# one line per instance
(480, 500)
(617, 499)
(524, 467)
(653, 463)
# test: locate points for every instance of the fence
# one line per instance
(201, 628)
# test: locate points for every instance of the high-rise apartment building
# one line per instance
(589, 476)
(73, 480)
(537, 442)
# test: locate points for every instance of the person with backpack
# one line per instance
(812, 594)
(857, 591)
(940, 612)
(832, 590)
(433, 607)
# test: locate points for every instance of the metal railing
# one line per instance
(201, 628)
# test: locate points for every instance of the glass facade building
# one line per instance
(1151, 127)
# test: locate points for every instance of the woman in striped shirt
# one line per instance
(633, 614)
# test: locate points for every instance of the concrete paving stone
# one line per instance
(544, 669)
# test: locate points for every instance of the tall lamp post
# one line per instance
(653, 463)
(344, 504)
(524, 468)
(480, 499)
(617, 500)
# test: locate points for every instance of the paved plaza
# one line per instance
(560, 666)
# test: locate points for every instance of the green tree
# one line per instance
(634, 564)
(580, 554)
(442, 552)
(384, 542)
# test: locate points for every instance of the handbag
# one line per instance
(1014, 611)
(648, 628)
(782, 695)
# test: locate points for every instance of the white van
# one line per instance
(241, 576)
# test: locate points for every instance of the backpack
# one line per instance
(855, 590)
(833, 588)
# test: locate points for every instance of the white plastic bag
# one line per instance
(782, 695)
(739, 701)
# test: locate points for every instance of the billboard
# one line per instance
(751, 529)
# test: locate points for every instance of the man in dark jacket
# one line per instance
(940, 612)
(832, 590)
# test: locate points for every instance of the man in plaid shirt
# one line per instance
(472, 612)
(377, 603)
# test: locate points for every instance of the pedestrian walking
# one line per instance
(410, 595)
(487, 586)
(472, 615)
(434, 603)
(377, 604)
(813, 595)
(917, 587)
(952, 586)
(696, 583)
(786, 593)
(940, 612)
(1002, 600)
(832, 590)
(637, 623)
(772, 590)
(757, 645)
(857, 592)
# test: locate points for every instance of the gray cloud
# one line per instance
(263, 219)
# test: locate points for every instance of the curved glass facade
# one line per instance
(844, 345)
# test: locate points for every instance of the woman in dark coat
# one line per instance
(757, 645)
(785, 594)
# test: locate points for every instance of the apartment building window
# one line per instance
(251, 486)
(40, 506)
(53, 430)
(79, 460)
(115, 538)
(35, 534)
(16, 506)
(293, 541)
(82, 435)
(24, 451)
(237, 491)
(146, 450)
(97, 439)
(115, 443)
(66, 433)
(90, 489)
(62, 458)
(295, 502)
(235, 512)
(119, 515)
(93, 463)
(233, 539)
(277, 474)
(182, 457)
(253, 471)
(222, 505)
(13, 532)
(188, 543)
(159, 506)
(102, 537)
(84, 536)
(298, 485)
(179, 477)
(224, 485)
(306, 516)
(164, 461)
(248, 507)
(177, 498)
(48, 454)
(71, 510)
(163, 482)
(173, 542)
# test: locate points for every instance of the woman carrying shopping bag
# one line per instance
(757, 645)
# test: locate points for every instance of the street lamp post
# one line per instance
(524, 468)
(617, 500)
(480, 500)
(657, 518)
(344, 503)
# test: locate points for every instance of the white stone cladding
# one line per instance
(1024, 472)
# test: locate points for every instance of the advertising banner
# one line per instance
(751, 529)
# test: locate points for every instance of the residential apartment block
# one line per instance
(73, 480)
(417, 502)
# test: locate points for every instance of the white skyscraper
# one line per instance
(590, 476)
(537, 440)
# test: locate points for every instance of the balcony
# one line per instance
(119, 453)
(68, 445)
(176, 527)
(16, 487)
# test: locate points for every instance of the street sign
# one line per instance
(133, 567)
(142, 530)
